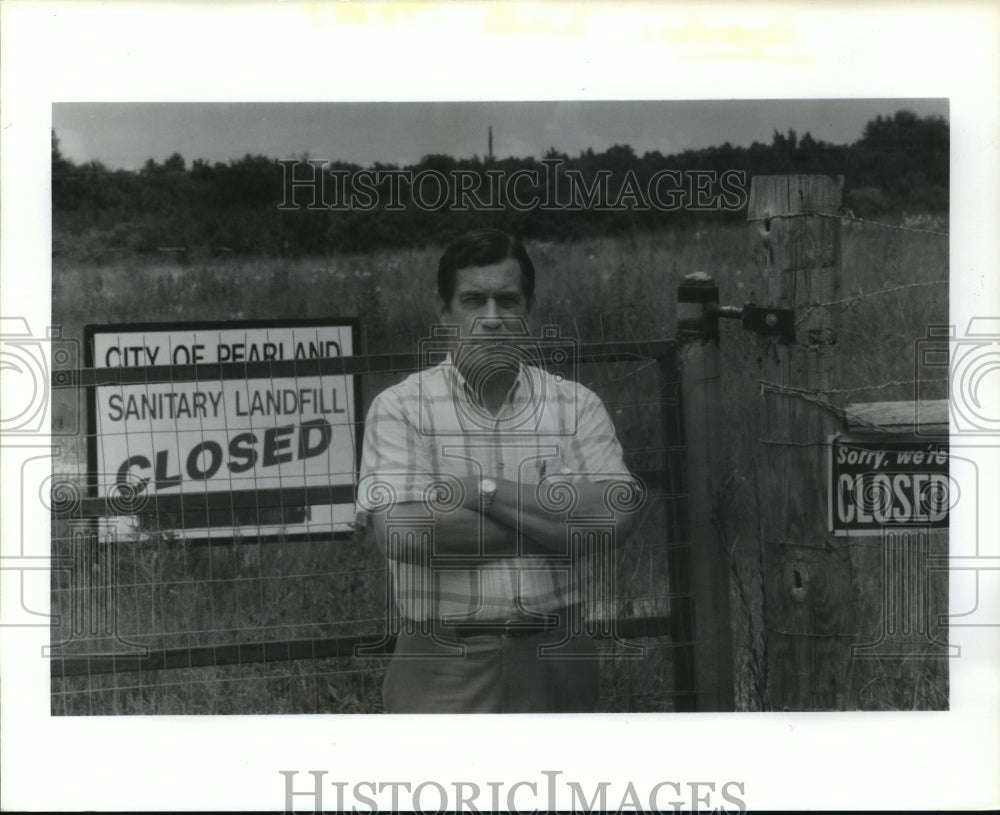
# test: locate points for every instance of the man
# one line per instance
(472, 473)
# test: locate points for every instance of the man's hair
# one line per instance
(483, 247)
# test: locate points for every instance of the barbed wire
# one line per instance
(850, 216)
(884, 385)
(857, 298)
(815, 398)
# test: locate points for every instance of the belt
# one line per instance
(508, 628)
(513, 627)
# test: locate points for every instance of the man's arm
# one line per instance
(538, 515)
(461, 532)
(589, 480)
(542, 514)
(398, 484)
(592, 473)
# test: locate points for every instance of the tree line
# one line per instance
(899, 165)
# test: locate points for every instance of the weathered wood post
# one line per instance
(811, 615)
(905, 621)
(711, 626)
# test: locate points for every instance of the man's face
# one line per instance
(488, 301)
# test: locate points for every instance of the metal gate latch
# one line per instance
(768, 322)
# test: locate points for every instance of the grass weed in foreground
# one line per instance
(595, 290)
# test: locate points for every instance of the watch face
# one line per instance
(487, 486)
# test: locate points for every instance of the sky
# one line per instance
(125, 135)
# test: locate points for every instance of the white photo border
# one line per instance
(56, 52)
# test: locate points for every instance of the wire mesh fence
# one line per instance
(175, 604)
(314, 593)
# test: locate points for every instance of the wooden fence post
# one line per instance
(698, 332)
(811, 610)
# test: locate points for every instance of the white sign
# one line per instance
(223, 435)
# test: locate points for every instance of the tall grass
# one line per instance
(595, 290)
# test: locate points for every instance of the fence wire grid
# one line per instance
(178, 610)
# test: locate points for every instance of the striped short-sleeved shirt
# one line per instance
(430, 426)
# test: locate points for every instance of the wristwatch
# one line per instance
(487, 489)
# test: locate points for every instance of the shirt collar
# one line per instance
(519, 392)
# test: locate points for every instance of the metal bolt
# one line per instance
(771, 320)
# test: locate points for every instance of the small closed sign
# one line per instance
(878, 481)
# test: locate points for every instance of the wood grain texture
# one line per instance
(928, 417)
(811, 615)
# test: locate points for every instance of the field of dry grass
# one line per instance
(593, 289)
